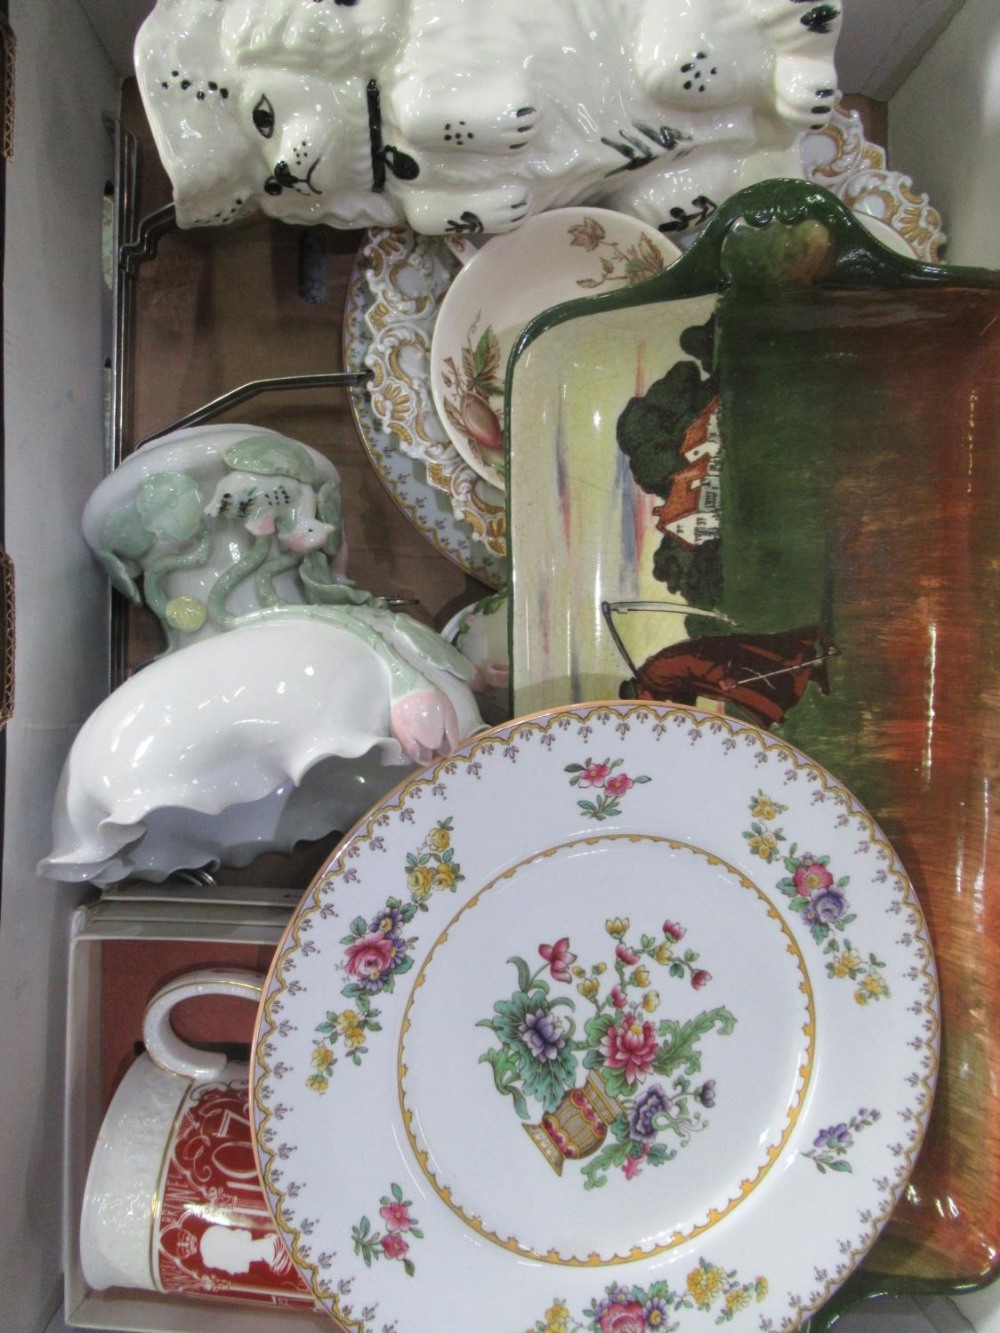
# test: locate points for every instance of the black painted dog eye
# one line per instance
(263, 118)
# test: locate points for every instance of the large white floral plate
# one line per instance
(624, 1017)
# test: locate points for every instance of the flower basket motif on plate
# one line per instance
(642, 1098)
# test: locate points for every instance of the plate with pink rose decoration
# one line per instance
(623, 1017)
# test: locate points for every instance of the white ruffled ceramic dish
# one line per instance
(403, 280)
(243, 743)
(622, 1017)
(554, 257)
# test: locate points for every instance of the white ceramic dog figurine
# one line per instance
(470, 115)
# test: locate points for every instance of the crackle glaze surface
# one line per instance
(619, 989)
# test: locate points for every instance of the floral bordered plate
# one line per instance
(406, 478)
(839, 157)
(624, 1017)
(402, 280)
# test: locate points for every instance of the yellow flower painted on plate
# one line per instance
(589, 988)
(705, 1283)
(664, 952)
(872, 988)
(420, 881)
(617, 926)
(764, 808)
(354, 1037)
(557, 1318)
(651, 1001)
(641, 976)
(845, 963)
(317, 1083)
(439, 839)
(764, 845)
(323, 1059)
(444, 876)
(738, 1299)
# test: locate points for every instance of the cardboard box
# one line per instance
(121, 950)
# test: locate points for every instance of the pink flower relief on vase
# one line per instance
(425, 724)
(609, 786)
(631, 1047)
(558, 958)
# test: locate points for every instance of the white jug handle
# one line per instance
(164, 1047)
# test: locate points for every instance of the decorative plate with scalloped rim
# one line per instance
(624, 1017)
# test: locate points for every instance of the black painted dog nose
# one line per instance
(283, 174)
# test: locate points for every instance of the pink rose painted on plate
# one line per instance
(609, 786)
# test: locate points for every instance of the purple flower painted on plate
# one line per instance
(833, 1143)
(825, 906)
(706, 1093)
(388, 920)
(543, 1034)
(655, 1313)
(835, 1136)
(642, 1126)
